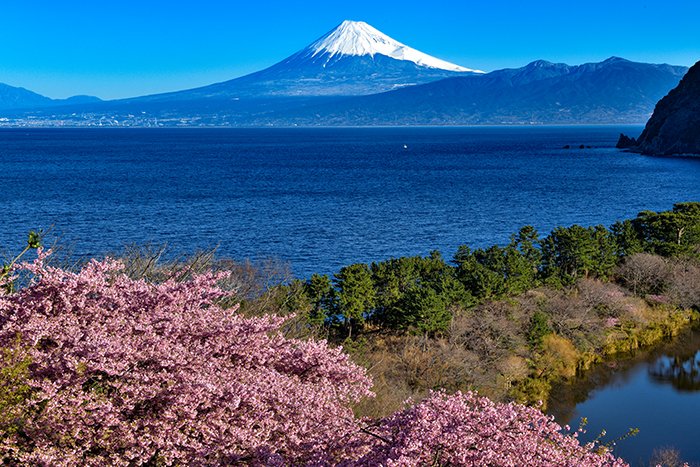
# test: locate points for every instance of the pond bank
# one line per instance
(563, 365)
(655, 389)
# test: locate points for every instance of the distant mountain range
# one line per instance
(19, 98)
(356, 75)
(612, 91)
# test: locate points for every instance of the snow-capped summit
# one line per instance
(359, 38)
(354, 59)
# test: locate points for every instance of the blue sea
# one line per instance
(322, 198)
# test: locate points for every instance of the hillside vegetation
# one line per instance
(210, 362)
(509, 320)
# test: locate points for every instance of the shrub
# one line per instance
(605, 298)
(666, 456)
(539, 327)
(490, 331)
(14, 390)
(644, 273)
(576, 320)
(559, 356)
(469, 430)
(683, 285)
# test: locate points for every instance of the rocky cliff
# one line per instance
(674, 128)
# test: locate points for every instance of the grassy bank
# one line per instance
(516, 348)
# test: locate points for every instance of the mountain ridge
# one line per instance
(356, 75)
(18, 98)
(612, 91)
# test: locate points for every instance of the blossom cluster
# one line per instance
(467, 429)
(128, 372)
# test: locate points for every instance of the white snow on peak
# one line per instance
(359, 38)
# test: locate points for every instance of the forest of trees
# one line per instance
(511, 320)
(416, 293)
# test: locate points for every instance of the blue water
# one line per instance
(656, 392)
(322, 198)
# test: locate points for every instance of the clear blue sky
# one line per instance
(126, 47)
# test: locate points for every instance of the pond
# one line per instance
(656, 391)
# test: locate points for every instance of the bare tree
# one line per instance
(644, 273)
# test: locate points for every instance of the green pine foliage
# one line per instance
(670, 233)
(539, 327)
(356, 295)
(570, 253)
(418, 294)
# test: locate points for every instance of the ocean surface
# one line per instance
(320, 198)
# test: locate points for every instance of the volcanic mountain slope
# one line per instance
(352, 59)
(14, 98)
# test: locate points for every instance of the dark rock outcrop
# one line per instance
(625, 142)
(674, 128)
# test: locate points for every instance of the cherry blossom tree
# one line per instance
(128, 372)
(100, 369)
(465, 429)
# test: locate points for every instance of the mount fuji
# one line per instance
(351, 60)
(356, 75)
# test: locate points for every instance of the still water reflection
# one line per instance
(681, 371)
(656, 391)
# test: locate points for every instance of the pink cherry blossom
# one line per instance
(126, 372)
(468, 430)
